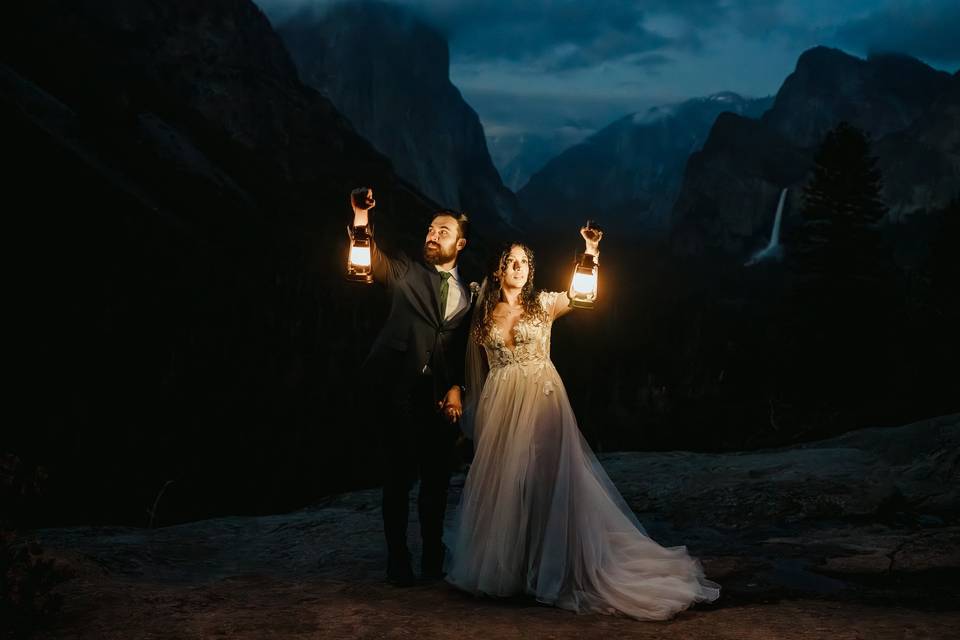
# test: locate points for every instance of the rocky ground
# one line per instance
(853, 537)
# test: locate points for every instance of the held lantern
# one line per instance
(359, 267)
(583, 286)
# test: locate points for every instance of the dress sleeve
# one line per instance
(549, 301)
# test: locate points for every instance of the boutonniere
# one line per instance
(474, 290)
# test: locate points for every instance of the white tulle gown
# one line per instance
(539, 515)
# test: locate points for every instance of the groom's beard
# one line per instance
(433, 253)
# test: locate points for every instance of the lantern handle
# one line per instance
(360, 232)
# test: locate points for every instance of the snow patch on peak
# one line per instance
(654, 114)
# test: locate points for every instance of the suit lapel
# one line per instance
(424, 293)
(435, 281)
(459, 315)
(426, 297)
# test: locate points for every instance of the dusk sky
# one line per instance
(569, 67)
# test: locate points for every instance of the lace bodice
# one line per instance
(531, 338)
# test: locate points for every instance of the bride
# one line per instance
(538, 514)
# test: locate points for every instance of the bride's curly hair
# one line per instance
(528, 296)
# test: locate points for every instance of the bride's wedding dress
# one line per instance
(540, 516)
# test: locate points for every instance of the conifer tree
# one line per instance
(839, 237)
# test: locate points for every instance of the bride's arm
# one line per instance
(591, 238)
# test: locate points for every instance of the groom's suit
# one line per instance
(417, 357)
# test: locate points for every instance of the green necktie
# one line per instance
(444, 290)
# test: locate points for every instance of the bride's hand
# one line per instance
(591, 236)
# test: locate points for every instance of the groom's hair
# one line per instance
(463, 221)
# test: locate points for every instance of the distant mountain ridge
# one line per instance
(518, 156)
(882, 94)
(629, 173)
(910, 110)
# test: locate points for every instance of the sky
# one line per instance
(569, 67)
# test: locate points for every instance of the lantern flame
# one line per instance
(360, 256)
(584, 283)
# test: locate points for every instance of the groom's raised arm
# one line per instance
(386, 269)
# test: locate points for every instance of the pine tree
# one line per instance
(842, 308)
(839, 238)
(944, 267)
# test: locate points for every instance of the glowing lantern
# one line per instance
(583, 286)
(359, 267)
(359, 261)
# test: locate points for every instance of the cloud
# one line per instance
(551, 36)
(922, 28)
(651, 62)
(542, 113)
(561, 35)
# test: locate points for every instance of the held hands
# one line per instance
(451, 407)
(361, 199)
(591, 236)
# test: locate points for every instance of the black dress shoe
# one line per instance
(432, 573)
(431, 564)
(399, 571)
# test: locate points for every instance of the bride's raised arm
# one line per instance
(591, 238)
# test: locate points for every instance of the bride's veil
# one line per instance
(476, 367)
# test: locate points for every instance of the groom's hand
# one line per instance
(451, 407)
(361, 199)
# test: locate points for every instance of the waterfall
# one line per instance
(772, 250)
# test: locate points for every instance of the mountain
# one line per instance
(388, 72)
(519, 155)
(730, 188)
(921, 163)
(882, 94)
(180, 202)
(628, 173)
(733, 185)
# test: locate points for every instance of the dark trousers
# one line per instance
(419, 443)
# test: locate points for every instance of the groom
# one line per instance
(417, 364)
